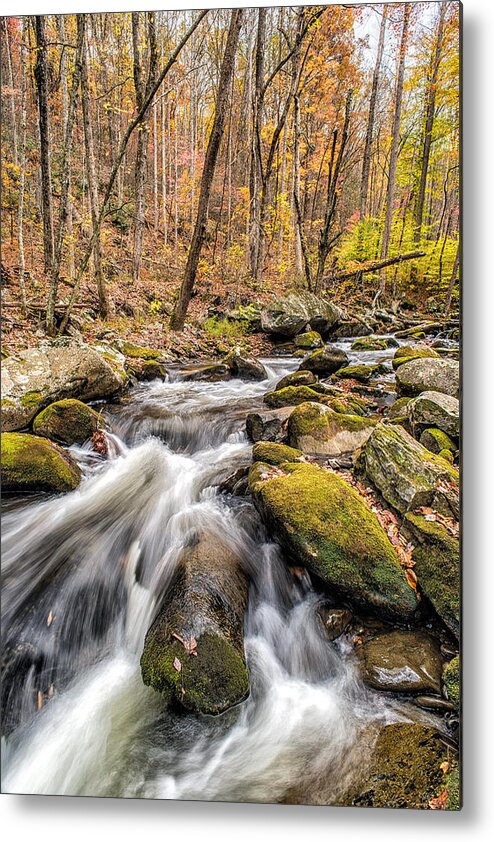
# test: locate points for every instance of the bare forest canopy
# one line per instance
(162, 156)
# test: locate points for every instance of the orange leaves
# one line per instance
(190, 645)
(432, 516)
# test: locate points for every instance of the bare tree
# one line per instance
(369, 136)
(22, 167)
(41, 78)
(227, 66)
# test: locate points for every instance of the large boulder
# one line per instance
(436, 555)
(309, 341)
(413, 352)
(30, 463)
(405, 769)
(403, 471)
(193, 653)
(434, 409)
(268, 425)
(289, 315)
(69, 421)
(428, 375)
(296, 378)
(402, 662)
(361, 373)
(320, 431)
(322, 523)
(325, 361)
(53, 370)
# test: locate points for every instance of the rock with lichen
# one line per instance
(321, 431)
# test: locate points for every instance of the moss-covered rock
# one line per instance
(362, 373)
(311, 339)
(402, 662)
(406, 353)
(433, 409)
(397, 409)
(428, 375)
(140, 352)
(69, 421)
(447, 455)
(245, 366)
(275, 454)
(31, 463)
(437, 442)
(437, 566)
(453, 787)
(346, 405)
(53, 370)
(291, 396)
(193, 653)
(318, 430)
(451, 680)
(296, 378)
(374, 343)
(148, 370)
(268, 425)
(325, 361)
(403, 471)
(322, 523)
(289, 315)
(405, 771)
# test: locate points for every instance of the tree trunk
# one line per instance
(64, 176)
(227, 68)
(299, 234)
(430, 110)
(65, 111)
(364, 190)
(256, 163)
(104, 304)
(10, 82)
(41, 78)
(22, 167)
(449, 294)
(395, 141)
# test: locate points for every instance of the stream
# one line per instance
(84, 575)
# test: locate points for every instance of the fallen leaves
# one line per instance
(99, 443)
(190, 645)
(177, 665)
(452, 526)
(440, 802)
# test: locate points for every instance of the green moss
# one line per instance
(362, 373)
(370, 343)
(297, 378)
(405, 771)
(31, 399)
(291, 396)
(68, 421)
(206, 683)
(409, 352)
(437, 566)
(138, 352)
(437, 441)
(311, 339)
(30, 463)
(322, 522)
(396, 409)
(453, 786)
(274, 454)
(345, 405)
(451, 679)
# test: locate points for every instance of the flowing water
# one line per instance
(84, 575)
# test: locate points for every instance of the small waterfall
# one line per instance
(83, 577)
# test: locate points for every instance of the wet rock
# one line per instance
(322, 523)
(268, 425)
(406, 353)
(437, 442)
(335, 620)
(309, 341)
(437, 566)
(325, 361)
(435, 703)
(275, 454)
(347, 329)
(53, 370)
(319, 430)
(236, 483)
(291, 396)
(245, 366)
(148, 370)
(433, 409)
(209, 374)
(289, 315)
(296, 378)
(405, 473)
(374, 343)
(428, 375)
(402, 662)
(405, 769)
(193, 653)
(69, 421)
(31, 463)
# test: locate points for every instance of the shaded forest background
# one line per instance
(337, 150)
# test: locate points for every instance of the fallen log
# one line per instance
(375, 265)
